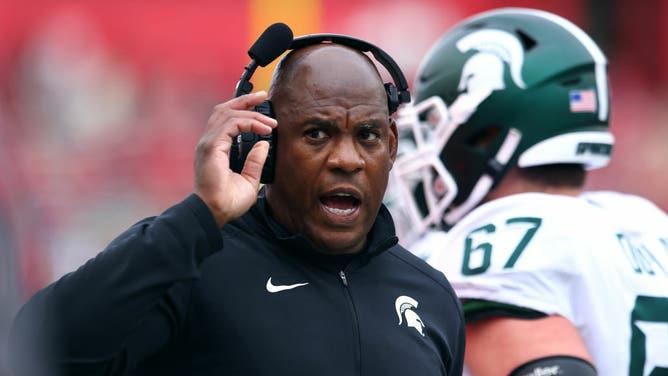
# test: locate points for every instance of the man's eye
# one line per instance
(315, 134)
(369, 135)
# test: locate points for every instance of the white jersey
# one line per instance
(600, 260)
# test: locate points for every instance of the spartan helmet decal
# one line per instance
(483, 72)
(404, 306)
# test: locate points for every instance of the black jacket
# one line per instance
(175, 295)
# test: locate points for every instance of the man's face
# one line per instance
(336, 146)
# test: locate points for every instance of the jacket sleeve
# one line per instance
(121, 306)
(457, 366)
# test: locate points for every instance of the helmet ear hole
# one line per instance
(484, 138)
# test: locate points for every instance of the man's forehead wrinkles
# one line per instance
(337, 114)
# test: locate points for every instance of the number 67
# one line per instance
(486, 247)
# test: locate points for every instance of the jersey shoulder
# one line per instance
(627, 210)
(421, 267)
(545, 218)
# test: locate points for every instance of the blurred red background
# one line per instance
(102, 104)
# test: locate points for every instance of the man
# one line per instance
(511, 109)
(305, 278)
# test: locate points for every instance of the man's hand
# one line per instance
(226, 193)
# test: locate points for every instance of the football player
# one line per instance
(511, 110)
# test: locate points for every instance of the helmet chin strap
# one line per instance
(486, 181)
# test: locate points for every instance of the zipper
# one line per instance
(342, 275)
(355, 323)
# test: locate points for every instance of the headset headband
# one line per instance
(403, 95)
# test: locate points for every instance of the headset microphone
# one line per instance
(275, 40)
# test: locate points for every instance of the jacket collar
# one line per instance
(381, 238)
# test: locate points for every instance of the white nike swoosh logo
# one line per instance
(277, 288)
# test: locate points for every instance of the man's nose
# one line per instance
(346, 156)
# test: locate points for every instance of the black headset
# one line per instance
(397, 93)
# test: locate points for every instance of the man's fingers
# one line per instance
(255, 162)
(255, 124)
(230, 119)
(241, 119)
(244, 102)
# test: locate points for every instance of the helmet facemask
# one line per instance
(420, 187)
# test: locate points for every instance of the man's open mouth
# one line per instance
(340, 203)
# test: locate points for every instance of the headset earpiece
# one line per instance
(393, 101)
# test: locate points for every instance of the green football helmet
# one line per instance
(508, 87)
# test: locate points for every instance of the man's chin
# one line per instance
(338, 244)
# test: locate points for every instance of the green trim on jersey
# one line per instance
(478, 309)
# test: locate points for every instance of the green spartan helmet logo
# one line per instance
(483, 72)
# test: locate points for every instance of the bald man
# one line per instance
(301, 277)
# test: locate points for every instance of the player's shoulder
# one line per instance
(558, 211)
(428, 243)
(628, 204)
(549, 231)
(420, 266)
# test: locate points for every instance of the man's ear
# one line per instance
(394, 140)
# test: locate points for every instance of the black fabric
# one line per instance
(478, 309)
(561, 365)
(175, 295)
